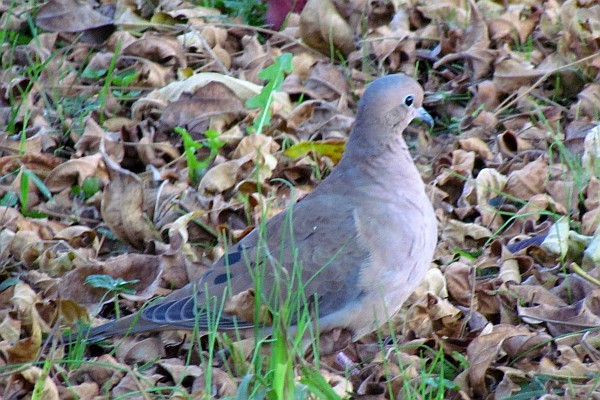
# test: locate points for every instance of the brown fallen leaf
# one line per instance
(223, 176)
(71, 312)
(326, 82)
(33, 375)
(132, 384)
(85, 390)
(324, 29)
(243, 305)
(145, 269)
(23, 351)
(74, 172)
(485, 349)
(158, 100)
(178, 371)
(460, 278)
(565, 362)
(88, 144)
(198, 111)
(582, 314)
(34, 161)
(529, 181)
(223, 385)
(475, 46)
(140, 352)
(490, 183)
(122, 207)
(432, 314)
(70, 16)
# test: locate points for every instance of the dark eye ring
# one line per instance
(409, 100)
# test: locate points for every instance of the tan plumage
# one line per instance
(364, 238)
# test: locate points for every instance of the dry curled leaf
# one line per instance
(122, 207)
(243, 305)
(143, 271)
(324, 29)
(70, 16)
(222, 176)
(529, 181)
(475, 46)
(74, 172)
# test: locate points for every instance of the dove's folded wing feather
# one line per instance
(297, 243)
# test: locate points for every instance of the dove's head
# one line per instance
(390, 103)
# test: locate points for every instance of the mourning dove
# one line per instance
(354, 249)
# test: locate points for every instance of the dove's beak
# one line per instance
(425, 117)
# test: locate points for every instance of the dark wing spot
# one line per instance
(232, 258)
(222, 278)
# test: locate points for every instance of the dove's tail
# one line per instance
(129, 325)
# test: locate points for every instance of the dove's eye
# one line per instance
(409, 100)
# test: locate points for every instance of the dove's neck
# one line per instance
(382, 159)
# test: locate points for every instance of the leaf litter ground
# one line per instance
(98, 181)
